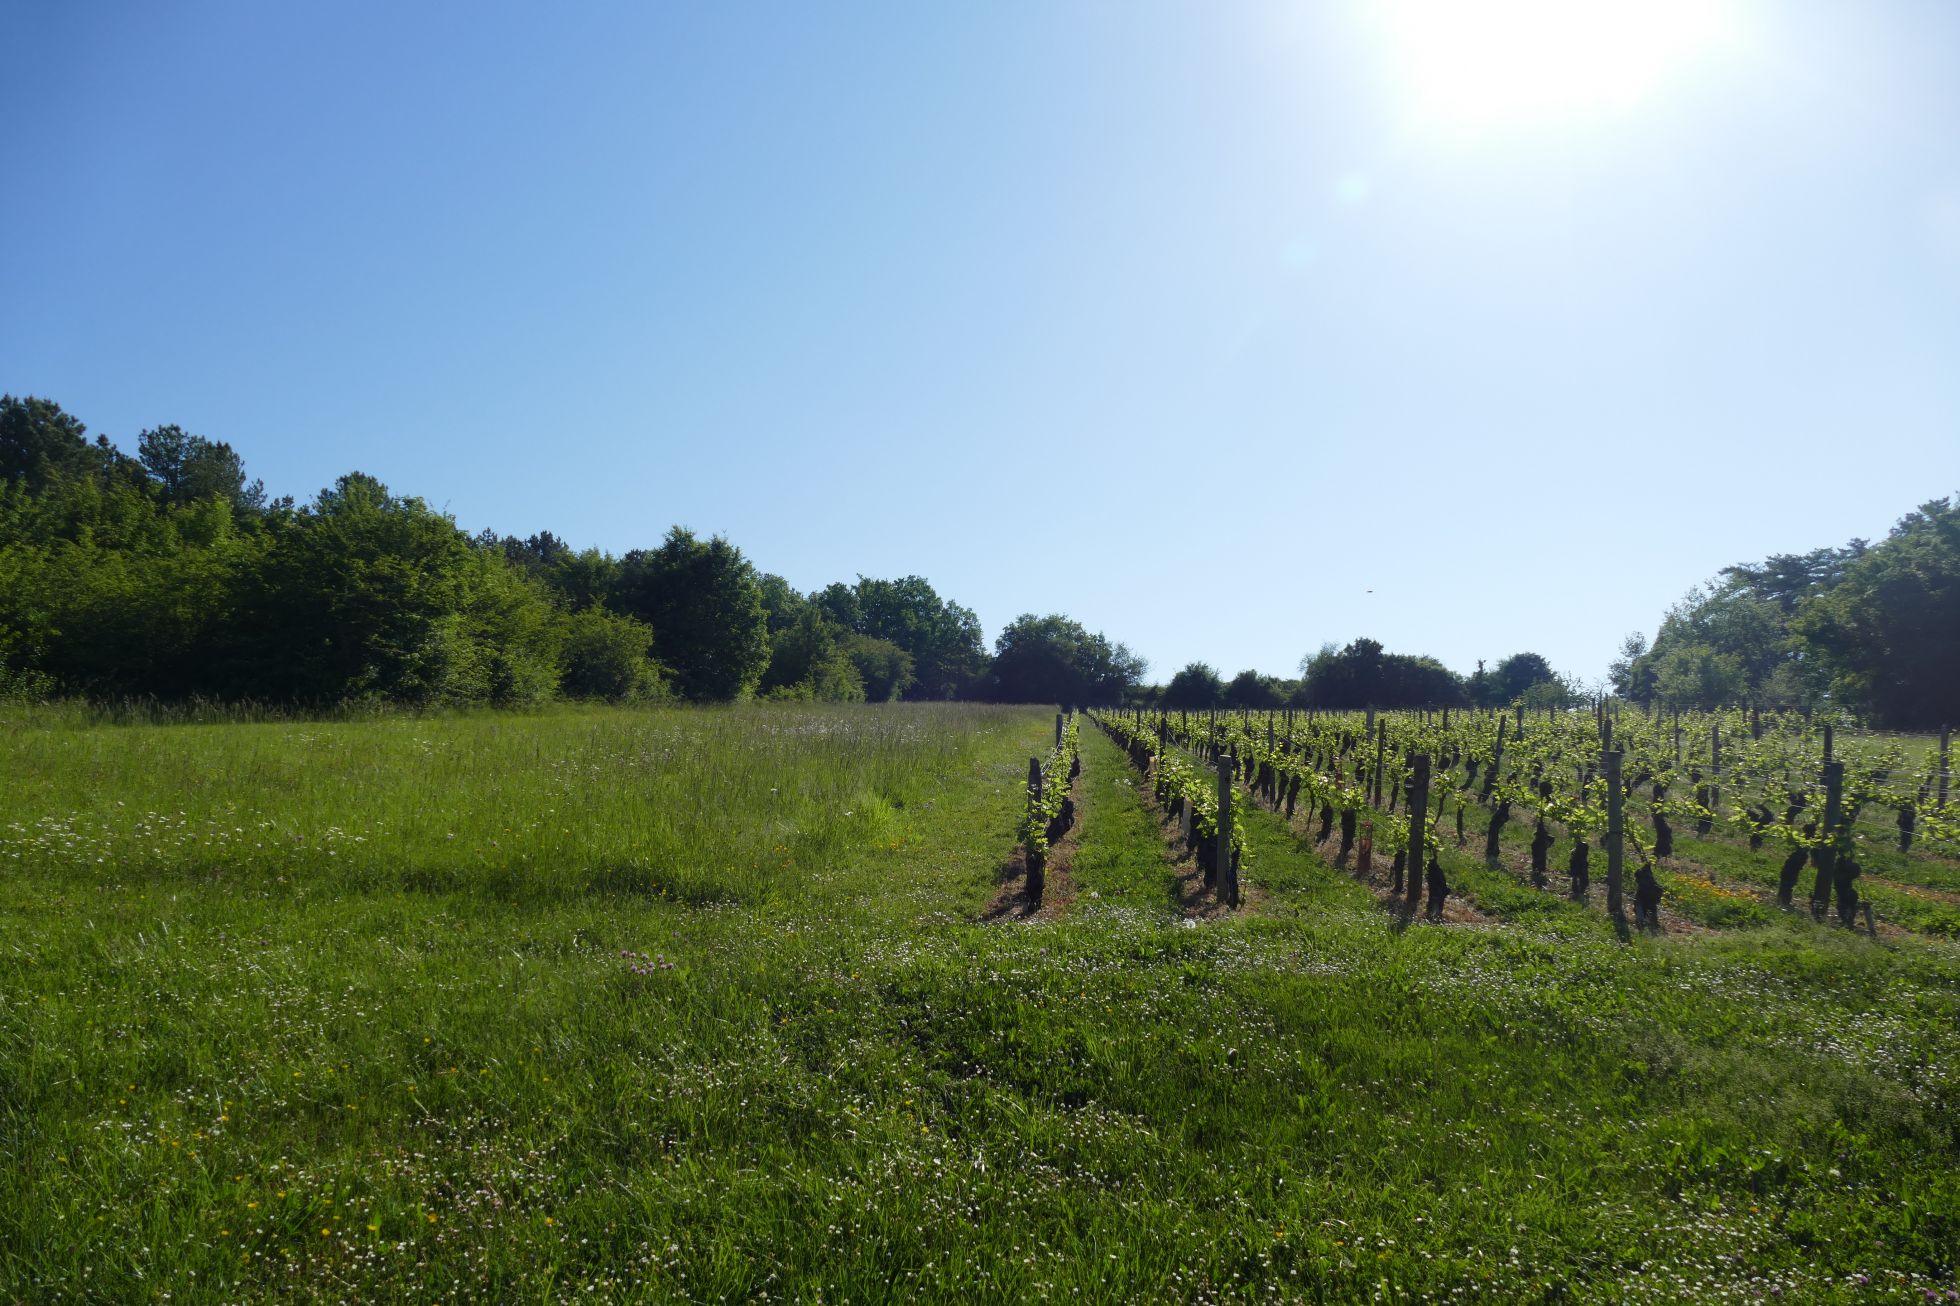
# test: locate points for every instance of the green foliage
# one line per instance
(1044, 800)
(605, 656)
(140, 620)
(808, 662)
(39, 442)
(506, 639)
(351, 602)
(704, 602)
(175, 579)
(1251, 690)
(941, 638)
(784, 606)
(189, 468)
(170, 576)
(815, 656)
(1720, 644)
(1631, 674)
(1870, 627)
(1515, 679)
(1888, 633)
(18, 687)
(1697, 676)
(1556, 692)
(584, 579)
(1364, 674)
(885, 669)
(1054, 659)
(1195, 687)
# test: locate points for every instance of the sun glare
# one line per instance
(1470, 65)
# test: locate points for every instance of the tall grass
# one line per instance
(698, 804)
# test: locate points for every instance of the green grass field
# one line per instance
(697, 1005)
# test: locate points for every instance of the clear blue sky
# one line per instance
(1196, 322)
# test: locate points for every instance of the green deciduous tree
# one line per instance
(884, 667)
(125, 621)
(350, 597)
(941, 637)
(39, 442)
(1054, 659)
(704, 602)
(1525, 677)
(1195, 687)
(807, 661)
(187, 468)
(1887, 635)
(1695, 675)
(604, 655)
(1363, 674)
(1259, 693)
(1630, 675)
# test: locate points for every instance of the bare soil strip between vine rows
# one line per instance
(1011, 901)
(1460, 908)
(1559, 884)
(1194, 900)
(1518, 863)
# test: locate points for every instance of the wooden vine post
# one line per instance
(1228, 874)
(1058, 730)
(1946, 762)
(1381, 747)
(1037, 861)
(1826, 855)
(1715, 765)
(1418, 827)
(1609, 763)
(1496, 758)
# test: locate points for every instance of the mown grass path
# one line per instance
(1121, 856)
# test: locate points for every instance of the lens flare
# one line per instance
(1473, 66)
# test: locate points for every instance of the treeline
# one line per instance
(1871, 627)
(170, 575)
(1364, 674)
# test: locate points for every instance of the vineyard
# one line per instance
(670, 1004)
(1711, 818)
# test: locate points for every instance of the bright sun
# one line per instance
(1474, 64)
